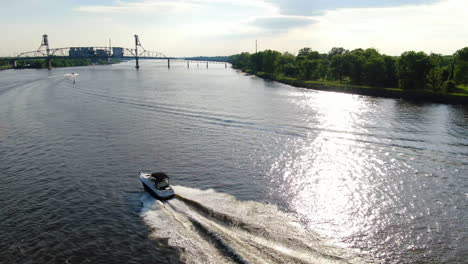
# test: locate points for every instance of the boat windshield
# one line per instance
(160, 176)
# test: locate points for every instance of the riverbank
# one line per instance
(5, 67)
(412, 95)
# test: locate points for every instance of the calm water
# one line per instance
(266, 173)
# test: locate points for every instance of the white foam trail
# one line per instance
(67, 75)
(71, 75)
(212, 227)
(180, 232)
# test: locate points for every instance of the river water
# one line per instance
(264, 172)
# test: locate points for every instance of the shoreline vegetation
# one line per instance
(5, 67)
(412, 76)
(56, 63)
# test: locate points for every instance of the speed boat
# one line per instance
(157, 184)
(71, 75)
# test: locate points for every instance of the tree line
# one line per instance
(411, 70)
(4, 64)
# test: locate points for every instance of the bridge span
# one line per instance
(107, 53)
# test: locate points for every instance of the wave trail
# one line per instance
(212, 227)
(221, 243)
(221, 217)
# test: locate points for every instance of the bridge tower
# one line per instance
(45, 43)
(137, 43)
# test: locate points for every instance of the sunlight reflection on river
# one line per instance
(333, 178)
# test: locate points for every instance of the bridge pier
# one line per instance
(207, 65)
(15, 65)
(188, 65)
(168, 63)
(137, 43)
(225, 65)
(45, 43)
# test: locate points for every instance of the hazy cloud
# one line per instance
(145, 6)
(136, 7)
(314, 7)
(281, 23)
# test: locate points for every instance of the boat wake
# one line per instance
(212, 227)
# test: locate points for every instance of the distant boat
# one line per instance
(71, 75)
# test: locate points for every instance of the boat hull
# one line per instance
(150, 188)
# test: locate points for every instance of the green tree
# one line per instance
(240, 61)
(391, 78)
(450, 86)
(354, 65)
(287, 65)
(270, 60)
(434, 75)
(337, 67)
(310, 64)
(336, 51)
(375, 70)
(290, 70)
(412, 70)
(307, 68)
(256, 62)
(322, 69)
(461, 66)
(304, 52)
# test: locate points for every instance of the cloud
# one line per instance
(316, 7)
(281, 23)
(136, 7)
(283, 7)
(241, 18)
(151, 6)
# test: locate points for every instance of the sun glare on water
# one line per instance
(325, 174)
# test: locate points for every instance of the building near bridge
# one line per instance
(88, 52)
(82, 52)
(102, 53)
(117, 52)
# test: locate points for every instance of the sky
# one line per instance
(225, 27)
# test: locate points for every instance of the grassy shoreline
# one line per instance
(5, 67)
(396, 93)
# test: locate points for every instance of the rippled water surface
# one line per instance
(264, 172)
